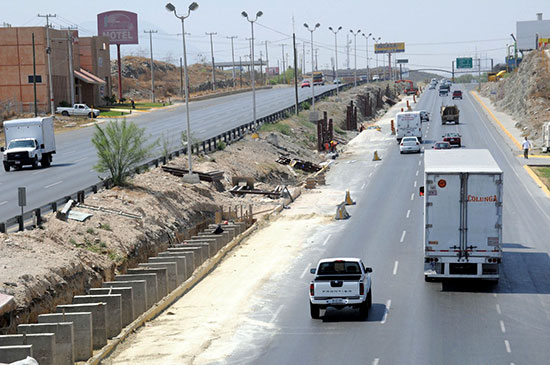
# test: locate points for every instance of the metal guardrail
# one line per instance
(33, 218)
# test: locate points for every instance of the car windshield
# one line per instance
(441, 145)
(339, 267)
(409, 139)
(22, 144)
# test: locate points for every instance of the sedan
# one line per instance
(305, 83)
(409, 145)
(441, 146)
(453, 138)
(457, 94)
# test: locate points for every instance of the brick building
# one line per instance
(90, 65)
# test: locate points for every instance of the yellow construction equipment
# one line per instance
(341, 212)
(348, 199)
(376, 157)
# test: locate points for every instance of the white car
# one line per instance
(409, 145)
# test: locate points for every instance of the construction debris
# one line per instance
(109, 211)
(211, 176)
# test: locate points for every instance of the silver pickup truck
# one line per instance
(340, 283)
(79, 110)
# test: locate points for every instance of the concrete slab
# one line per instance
(127, 300)
(99, 318)
(221, 239)
(151, 287)
(9, 354)
(239, 227)
(199, 256)
(82, 331)
(189, 260)
(113, 311)
(139, 288)
(43, 345)
(64, 338)
(171, 272)
(162, 279)
(181, 265)
(212, 245)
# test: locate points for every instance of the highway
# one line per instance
(412, 321)
(72, 165)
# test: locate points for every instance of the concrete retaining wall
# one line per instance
(162, 279)
(43, 345)
(151, 287)
(82, 331)
(180, 261)
(9, 354)
(171, 272)
(127, 301)
(113, 311)
(99, 318)
(139, 288)
(64, 338)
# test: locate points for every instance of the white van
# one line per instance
(408, 125)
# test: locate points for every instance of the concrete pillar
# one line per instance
(181, 263)
(199, 254)
(113, 311)
(82, 330)
(64, 339)
(171, 272)
(189, 260)
(99, 317)
(43, 345)
(162, 279)
(127, 300)
(9, 354)
(212, 246)
(139, 288)
(151, 286)
(222, 239)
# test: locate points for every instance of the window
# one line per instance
(38, 79)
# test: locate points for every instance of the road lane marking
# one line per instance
(502, 328)
(80, 159)
(388, 305)
(498, 309)
(4, 202)
(395, 266)
(419, 162)
(408, 213)
(416, 172)
(403, 236)
(415, 184)
(38, 172)
(326, 239)
(276, 313)
(363, 186)
(54, 184)
(412, 196)
(370, 174)
(507, 344)
(375, 361)
(305, 271)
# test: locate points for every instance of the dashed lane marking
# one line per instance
(4, 202)
(412, 196)
(507, 344)
(276, 314)
(416, 172)
(375, 361)
(54, 184)
(498, 309)
(415, 184)
(305, 271)
(395, 266)
(408, 213)
(363, 186)
(419, 162)
(403, 236)
(388, 305)
(502, 328)
(326, 239)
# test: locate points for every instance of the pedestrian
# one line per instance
(526, 145)
(133, 103)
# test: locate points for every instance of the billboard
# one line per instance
(544, 42)
(272, 71)
(120, 26)
(389, 47)
(527, 32)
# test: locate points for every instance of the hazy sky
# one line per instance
(434, 31)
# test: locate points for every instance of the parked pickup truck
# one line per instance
(78, 109)
(449, 113)
(340, 283)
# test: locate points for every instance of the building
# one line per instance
(80, 69)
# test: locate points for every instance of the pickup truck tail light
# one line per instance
(361, 288)
(311, 289)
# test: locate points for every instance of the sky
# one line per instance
(435, 32)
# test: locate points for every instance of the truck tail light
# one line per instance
(311, 289)
(361, 288)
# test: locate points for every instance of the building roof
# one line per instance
(88, 77)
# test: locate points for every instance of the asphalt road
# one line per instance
(72, 165)
(411, 321)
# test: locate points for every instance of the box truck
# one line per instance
(28, 142)
(462, 214)
(409, 124)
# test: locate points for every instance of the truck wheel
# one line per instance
(7, 166)
(46, 160)
(35, 163)
(369, 298)
(65, 113)
(364, 309)
(314, 311)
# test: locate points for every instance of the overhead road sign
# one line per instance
(389, 47)
(403, 60)
(465, 62)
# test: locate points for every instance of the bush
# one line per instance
(306, 105)
(64, 104)
(221, 145)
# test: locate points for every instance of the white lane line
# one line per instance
(502, 328)
(412, 196)
(370, 173)
(54, 184)
(363, 186)
(276, 314)
(305, 271)
(419, 162)
(92, 170)
(375, 361)
(408, 213)
(498, 309)
(326, 239)
(395, 266)
(403, 236)
(416, 172)
(507, 344)
(388, 305)
(4, 202)
(415, 184)
(38, 172)
(80, 159)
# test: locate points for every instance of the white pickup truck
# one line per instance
(340, 283)
(78, 109)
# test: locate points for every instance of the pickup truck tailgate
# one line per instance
(337, 286)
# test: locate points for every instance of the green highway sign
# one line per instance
(403, 60)
(464, 62)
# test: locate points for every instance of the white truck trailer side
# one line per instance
(408, 124)
(462, 214)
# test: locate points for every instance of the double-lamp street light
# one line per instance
(336, 53)
(245, 15)
(311, 30)
(367, 39)
(355, 55)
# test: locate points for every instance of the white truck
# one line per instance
(28, 142)
(408, 124)
(462, 214)
(546, 137)
(340, 283)
(78, 109)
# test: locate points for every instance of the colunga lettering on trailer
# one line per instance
(473, 198)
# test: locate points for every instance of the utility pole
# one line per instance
(266, 62)
(283, 62)
(241, 71)
(71, 65)
(261, 64)
(303, 58)
(232, 57)
(34, 76)
(181, 76)
(316, 60)
(348, 43)
(49, 52)
(355, 55)
(152, 63)
(213, 64)
(295, 73)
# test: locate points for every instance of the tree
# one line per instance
(120, 147)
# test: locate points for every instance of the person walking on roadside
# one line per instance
(526, 145)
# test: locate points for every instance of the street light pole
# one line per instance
(190, 177)
(355, 55)
(213, 64)
(232, 57)
(312, 63)
(152, 63)
(336, 53)
(245, 15)
(367, 39)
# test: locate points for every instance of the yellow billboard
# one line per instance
(544, 42)
(389, 47)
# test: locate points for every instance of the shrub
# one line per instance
(221, 145)
(306, 105)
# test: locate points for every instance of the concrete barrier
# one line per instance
(189, 260)
(113, 311)
(221, 239)
(82, 331)
(181, 265)
(127, 301)
(209, 247)
(151, 286)
(240, 227)
(99, 317)
(225, 234)
(162, 279)
(9, 354)
(171, 272)
(139, 288)
(196, 251)
(64, 339)
(43, 345)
